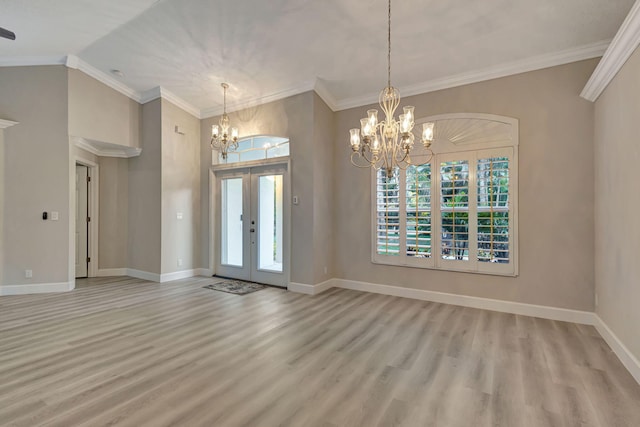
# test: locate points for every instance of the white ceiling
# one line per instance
(266, 49)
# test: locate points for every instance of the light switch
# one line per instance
(54, 216)
(295, 200)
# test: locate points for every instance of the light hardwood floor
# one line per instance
(121, 351)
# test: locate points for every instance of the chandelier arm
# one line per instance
(428, 158)
(358, 154)
(404, 163)
(371, 159)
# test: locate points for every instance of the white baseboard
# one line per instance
(154, 277)
(144, 275)
(545, 312)
(108, 272)
(37, 288)
(301, 288)
(176, 275)
(304, 288)
(626, 357)
(323, 286)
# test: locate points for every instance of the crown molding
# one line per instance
(99, 148)
(150, 95)
(324, 93)
(78, 64)
(160, 92)
(589, 51)
(7, 123)
(621, 48)
(27, 61)
(260, 100)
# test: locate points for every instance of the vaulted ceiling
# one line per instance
(268, 49)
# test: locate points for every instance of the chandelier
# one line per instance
(221, 139)
(386, 144)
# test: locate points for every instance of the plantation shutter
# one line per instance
(387, 214)
(454, 210)
(493, 210)
(418, 211)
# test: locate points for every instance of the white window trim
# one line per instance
(446, 150)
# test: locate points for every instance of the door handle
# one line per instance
(253, 230)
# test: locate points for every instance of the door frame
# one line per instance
(93, 229)
(214, 196)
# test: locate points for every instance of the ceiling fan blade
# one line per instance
(7, 34)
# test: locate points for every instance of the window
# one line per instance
(257, 148)
(456, 211)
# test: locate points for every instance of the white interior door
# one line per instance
(82, 214)
(252, 231)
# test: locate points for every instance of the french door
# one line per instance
(252, 224)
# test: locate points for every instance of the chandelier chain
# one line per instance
(389, 47)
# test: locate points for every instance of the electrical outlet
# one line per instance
(179, 262)
(179, 215)
(54, 216)
(28, 274)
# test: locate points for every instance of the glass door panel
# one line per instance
(270, 219)
(231, 217)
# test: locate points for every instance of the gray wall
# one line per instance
(556, 191)
(113, 219)
(36, 174)
(180, 189)
(323, 207)
(617, 153)
(100, 113)
(144, 201)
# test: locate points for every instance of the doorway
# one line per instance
(252, 223)
(82, 221)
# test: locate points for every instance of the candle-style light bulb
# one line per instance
(427, 133)
(405, 124)
(372, 115)
(408, 113)
(355, 139)
(365, 127)
(375, 145)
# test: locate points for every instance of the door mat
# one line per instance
(238, 287)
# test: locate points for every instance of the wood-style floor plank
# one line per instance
(127, 352)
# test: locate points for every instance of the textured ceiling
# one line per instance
(265, 48)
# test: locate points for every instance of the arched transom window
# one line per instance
(257, 148)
